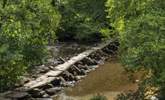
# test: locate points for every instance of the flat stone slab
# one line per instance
(1, 98)
(43, 99)
(48, 77)
(16, 95)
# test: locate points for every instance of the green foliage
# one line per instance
(108, 33)
(82, 19)
(99, 97)
(141, 25)
(25, 28)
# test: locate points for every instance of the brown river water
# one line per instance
(109, 80)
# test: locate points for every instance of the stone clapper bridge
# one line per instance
(63, 75)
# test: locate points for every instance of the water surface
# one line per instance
(109, 79)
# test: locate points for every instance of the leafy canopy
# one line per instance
(83, 20)
(141, 26)
(25, 27)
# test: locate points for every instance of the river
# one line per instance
(109, 80)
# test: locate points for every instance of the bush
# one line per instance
(25, 28)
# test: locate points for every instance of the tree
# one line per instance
(24, 29)
(141, 27)
(83, 20)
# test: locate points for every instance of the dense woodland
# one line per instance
(28, 26)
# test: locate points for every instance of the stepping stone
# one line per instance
(53, 91)
(43, 99)
(17, 95)
(1, 98)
